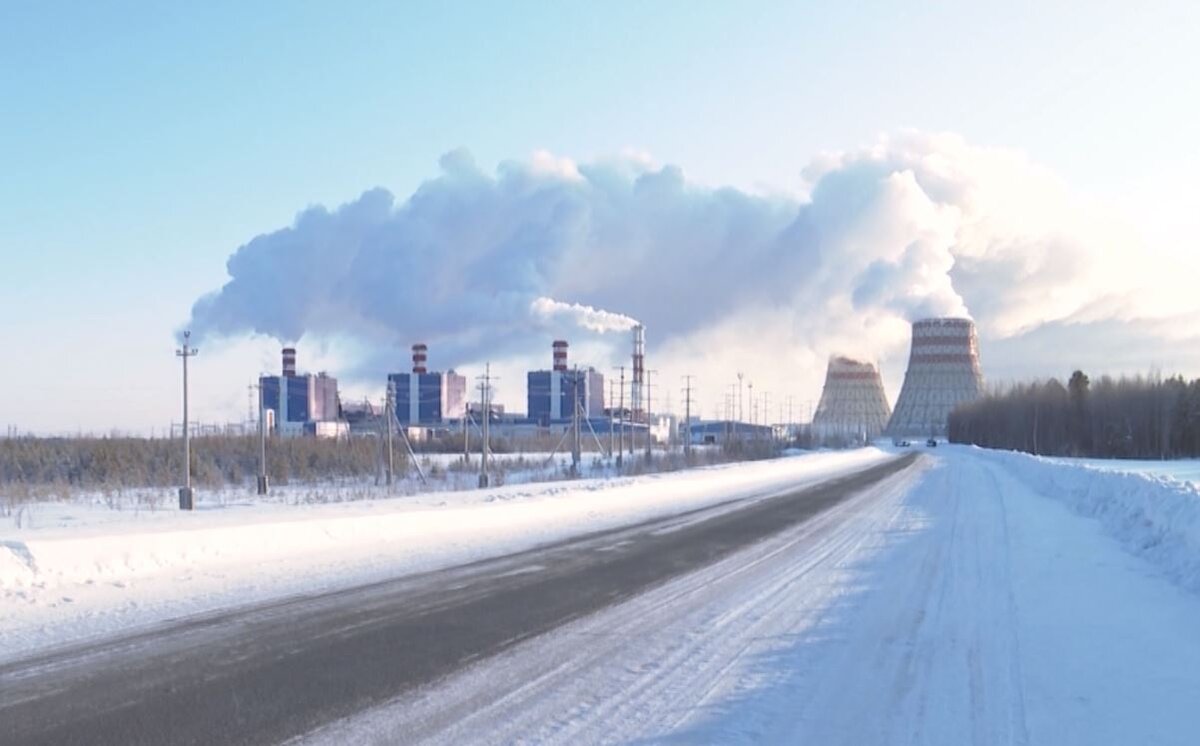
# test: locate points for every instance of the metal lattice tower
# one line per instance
(943, 372)
(853, 403)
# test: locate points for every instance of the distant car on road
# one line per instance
(932, 442)
(901, 443)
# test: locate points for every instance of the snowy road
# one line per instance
(266, 672)
(951, 604)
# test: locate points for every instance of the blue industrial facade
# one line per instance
(552, 394)
(300, 399)
(428, 398)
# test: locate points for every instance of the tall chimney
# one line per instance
(289, 362)
(420, 351)
(639, 372)
(560, 354)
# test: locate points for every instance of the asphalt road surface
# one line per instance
(270, 672)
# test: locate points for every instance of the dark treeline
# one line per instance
(107, 463)
(148, 462)
(1140, 417)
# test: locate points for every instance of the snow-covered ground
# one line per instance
(1183, 470)
(972, 600)
(71, 570)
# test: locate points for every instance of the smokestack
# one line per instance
(420, 351)
(289, 362)
(560, 354)
(943, 372)
(639, 371)
(852, 403)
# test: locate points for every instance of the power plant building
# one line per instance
(424, 398)
(853, 403)
(294, 404)
(943, 372)
(550, 393)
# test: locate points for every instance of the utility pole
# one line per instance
(648, 373)
(621, 410)
(766, 411)
(467, 434)
(185, 492)
(576, 445)
(612, 431)
(262, 443)
(389, 408)
(485, 389)
(687, 416)
(741, 413)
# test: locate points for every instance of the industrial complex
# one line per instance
(294, 404)
(424, 398)
(943, 371)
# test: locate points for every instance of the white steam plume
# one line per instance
(585, 317)
(485, 265)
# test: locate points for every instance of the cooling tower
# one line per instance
(853, 403)
(943, 372)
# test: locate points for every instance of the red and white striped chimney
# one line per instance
(289, 362)
(420, 352)
(560, 354)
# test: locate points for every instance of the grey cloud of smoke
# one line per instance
(483, 264)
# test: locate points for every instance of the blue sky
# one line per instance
(142, 143)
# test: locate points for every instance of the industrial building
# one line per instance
(424, 398)
(551, 394)
(943, 372)
(853, 404)
(300, 404)
(718, 432)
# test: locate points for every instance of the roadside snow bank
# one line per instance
(82, 573)
(1155, 517)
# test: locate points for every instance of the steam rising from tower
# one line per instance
(943, 372)
(852, 403)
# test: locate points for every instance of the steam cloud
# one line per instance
(477, 263)
(586, 317)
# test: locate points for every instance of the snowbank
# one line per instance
(1155, 517)
(83, 572)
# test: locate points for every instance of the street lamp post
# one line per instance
(185, 492)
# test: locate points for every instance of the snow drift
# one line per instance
(1157, 518)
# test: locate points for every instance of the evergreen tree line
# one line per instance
(1128, 417)
(120, 462)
